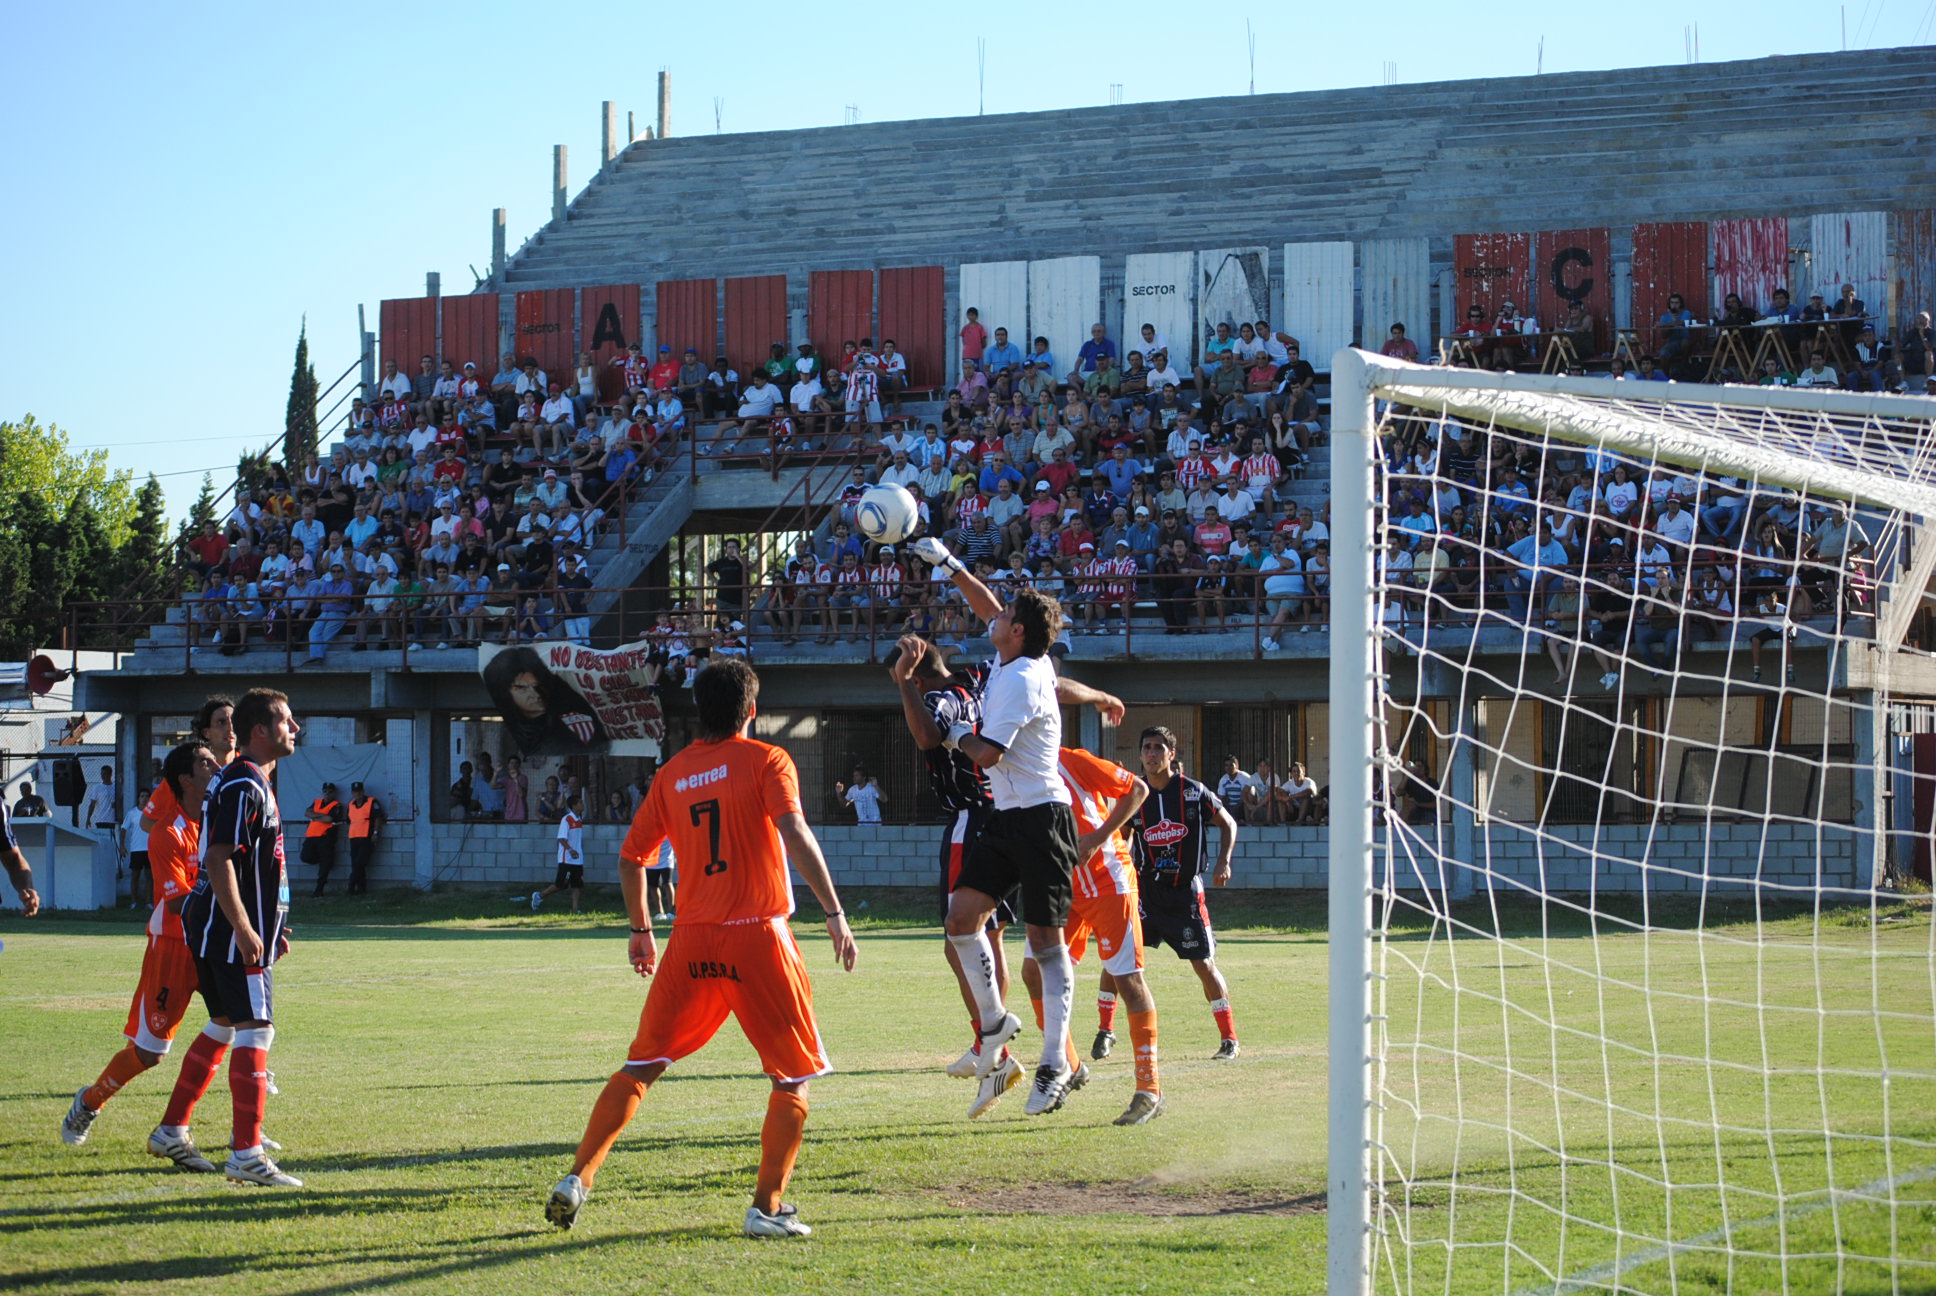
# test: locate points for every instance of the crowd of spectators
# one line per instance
(453, 510)
(1116, 482)
(1599, 553)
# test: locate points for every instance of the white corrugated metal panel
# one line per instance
(1160, 289)
(1320, 296)
(1233, 286)
(998, 290)
(1065, 300)
(1395, 277)
(1849, 248)
(1448, 309)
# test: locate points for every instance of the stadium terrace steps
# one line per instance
(1525, 152)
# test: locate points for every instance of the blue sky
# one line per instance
(184, 187)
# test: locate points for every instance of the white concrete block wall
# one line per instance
(906, 855)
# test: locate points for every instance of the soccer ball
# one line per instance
(887, 514)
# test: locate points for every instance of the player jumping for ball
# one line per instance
(731, 807)
(933, 700)
(1030, 837)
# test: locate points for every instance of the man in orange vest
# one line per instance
(319, 839)
(366, 825)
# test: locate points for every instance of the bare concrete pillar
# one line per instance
(665, 104)
(558, 182)
(608, 132)
(631, 127)
(497, 242)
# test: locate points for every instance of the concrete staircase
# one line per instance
(1792, 135)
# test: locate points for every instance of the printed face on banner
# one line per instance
(559, 699)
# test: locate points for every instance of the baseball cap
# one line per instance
(1041, 485)
(1122, 544)
(1085, 545)
(356, 787)
(663, 348)
(887, 549)
(504, 566)
(1142, 510)
(551, 472)
(328, 784)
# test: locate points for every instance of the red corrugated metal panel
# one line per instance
(1668, 257)
(911, 303)
(689, 316)
(1913, 285)
(1751, 259)
(756, 318)
(545, 323)
(1574, 265)
(407, 331)
(1493, 268)
(608, 322)
(840, 308)
(470, 333)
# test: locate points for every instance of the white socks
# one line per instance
(977, 959)
(1058, 1000)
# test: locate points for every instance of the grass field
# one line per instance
(437, 1057)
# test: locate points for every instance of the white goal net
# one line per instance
(1634, 987)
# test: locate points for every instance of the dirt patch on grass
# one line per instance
(1134, 1197)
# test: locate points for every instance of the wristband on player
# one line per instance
(833, 914)
(956, 732)
(641, 931)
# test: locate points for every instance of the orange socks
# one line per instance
(1142, 1035)
(786, 1124)
(122, 1067)
(616, 1105)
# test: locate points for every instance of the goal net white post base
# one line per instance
(1632, 982)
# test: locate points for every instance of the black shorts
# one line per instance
(570, 875)
(1033, 845)
(659, 874)
(236, 992)
(963, 831)
(138, 861)
(1178, 917)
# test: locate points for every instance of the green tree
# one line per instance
(203, 510)
(38, 460)
(301, 419)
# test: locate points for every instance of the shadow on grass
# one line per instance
(419, 1263)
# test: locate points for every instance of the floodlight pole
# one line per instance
(1354, 668)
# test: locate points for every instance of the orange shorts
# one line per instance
(168, 982)
(1112, 919)
(751, 970)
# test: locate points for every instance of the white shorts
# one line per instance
(873, 408)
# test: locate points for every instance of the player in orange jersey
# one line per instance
(731, 807)
(168, 980)
(1106, 797)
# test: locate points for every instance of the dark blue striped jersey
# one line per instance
(958, 782)
(240, 812)
(1173, 833)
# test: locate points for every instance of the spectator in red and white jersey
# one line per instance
(1261, 470)
(469, 386)
(894, 374)
(394, 412)
(863, 395)
(1212, 534)
(635, 367)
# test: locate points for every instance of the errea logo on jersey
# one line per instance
(716, 774)
(1168, 832)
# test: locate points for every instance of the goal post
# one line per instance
(1627, 989)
